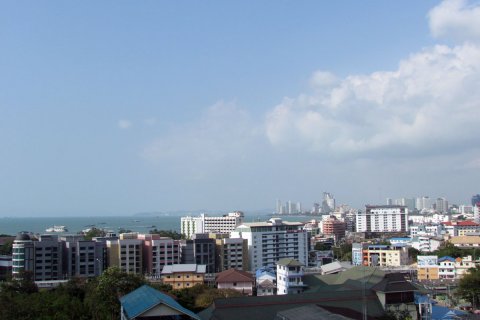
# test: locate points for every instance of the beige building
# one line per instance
(231, 253)
(385, 255)
(465, 241)
(427, 268)
(181, 276)
(126, 253)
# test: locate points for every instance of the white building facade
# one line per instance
(273, 240)
(382, 219)
(205, 224)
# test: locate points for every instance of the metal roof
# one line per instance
(198, 268)
(145, 298)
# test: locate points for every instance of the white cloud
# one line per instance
(431, 99)
(124, 124)
(456, 19)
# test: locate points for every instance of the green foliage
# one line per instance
(6, 248)
(94, 232)
(469, 286)
(102, 297)
(413, 253)
(167, 233)
(322, 246)
(343, 252)
(123, 230)
(450, 250)
(206, 298)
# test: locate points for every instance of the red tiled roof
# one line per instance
(466, 223)
(232, 275)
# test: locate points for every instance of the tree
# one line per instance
(6, 248)
(167, 233)
(413, 253)
(103, 295)
(206, 298)
(469, 286)
(94, 232)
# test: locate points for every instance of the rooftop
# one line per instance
(233, 275)
(145, 298)
(289, 262)
(197, 268)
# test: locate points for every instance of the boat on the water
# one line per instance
(57, 229)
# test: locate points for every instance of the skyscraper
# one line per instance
(475, 199)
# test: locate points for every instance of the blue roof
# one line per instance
(444, 313)
(144, 298)
(451, 259)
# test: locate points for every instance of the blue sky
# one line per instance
(117, 107)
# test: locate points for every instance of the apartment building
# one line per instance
(333, 227)
(207, 224)
(385, 255)
(427, 268)
(199, 250)
(273, 240)
(461, 228)
(83, 258)
(382, 219)
(126, 253)
(181, 276)
(23, 255)
(290, 276)
(231, 254)
(159, 252)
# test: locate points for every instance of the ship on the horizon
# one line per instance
(57, 229)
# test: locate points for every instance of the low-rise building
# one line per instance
(290, 276)
(446, 268)
(385, 255)
(465, 241)
(181, 276)
(237, 280)
(427, 268)
(461, 228)
(266, 281)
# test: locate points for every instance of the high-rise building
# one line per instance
(441, 205)
(476, 212)
(475, 199)
(382, 219)
(423, 203)
(273, 240)
(328, 203)
(334, 228)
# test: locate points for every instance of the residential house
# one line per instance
(237, 280)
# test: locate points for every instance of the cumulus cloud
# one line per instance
(124, 124)
(456, 19)
(429, 104)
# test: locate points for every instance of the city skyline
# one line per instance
(117, 108)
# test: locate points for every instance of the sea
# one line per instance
(142, 224)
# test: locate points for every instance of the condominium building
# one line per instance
(199, 250)
(83, 258)
(206, 224)
(159, 252)
(333, 227)
(23, 255)
(126, 253)
(382, 219)
(48, 258)
(231, 253)
(273, 240)
(181, 276)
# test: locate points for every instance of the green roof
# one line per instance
(289, 262)
(267, 307)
